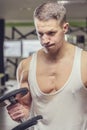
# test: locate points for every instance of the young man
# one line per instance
(56, 76)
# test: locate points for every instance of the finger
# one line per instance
(13, 106)
(17, 115)
(16, 109)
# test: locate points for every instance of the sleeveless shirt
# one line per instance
(65, 109)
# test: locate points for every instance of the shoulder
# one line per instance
(84, 60)
(23, 66)
(25, 63)
(84, 67)
(84, 55)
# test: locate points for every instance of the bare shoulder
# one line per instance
(84, 55)
(84, 67)
(84, 58)
(23, 68)
(24, 64)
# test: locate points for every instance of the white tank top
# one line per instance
(66, 109)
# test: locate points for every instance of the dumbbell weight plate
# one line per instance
(22, 91)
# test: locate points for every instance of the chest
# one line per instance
(51, 78)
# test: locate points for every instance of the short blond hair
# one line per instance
(50, 10)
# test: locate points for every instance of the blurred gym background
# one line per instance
(18, 39)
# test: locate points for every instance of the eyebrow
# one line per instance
(50, 31)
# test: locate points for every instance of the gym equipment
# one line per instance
(28, 123)
(2, 33)
(10, 99)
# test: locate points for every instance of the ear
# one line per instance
(65, 27)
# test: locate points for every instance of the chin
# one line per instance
(45, 50)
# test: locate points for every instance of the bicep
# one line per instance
(22, 79)
(22, 76)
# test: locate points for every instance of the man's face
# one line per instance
(50, 34)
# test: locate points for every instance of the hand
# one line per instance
(16, 111)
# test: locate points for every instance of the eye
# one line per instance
(51, 33)
(40, 34)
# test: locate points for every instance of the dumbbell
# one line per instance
(28, 123)
(10, 99)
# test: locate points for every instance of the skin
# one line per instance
(56, 55)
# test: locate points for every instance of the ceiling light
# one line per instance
(63, 2)
(71, 2)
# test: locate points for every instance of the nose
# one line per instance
(45, 39)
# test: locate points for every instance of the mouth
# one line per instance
(48, 45)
